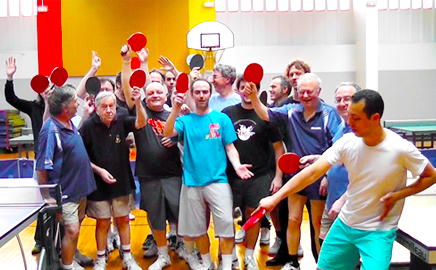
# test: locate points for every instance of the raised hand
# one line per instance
(96, 61)
(11, 68)
(166, 63)
(126, 52)
(195, 74)
(143, 55)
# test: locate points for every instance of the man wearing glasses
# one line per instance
(223, 78)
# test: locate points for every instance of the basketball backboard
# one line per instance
(210, 36)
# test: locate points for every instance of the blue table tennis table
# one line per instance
(20, 205)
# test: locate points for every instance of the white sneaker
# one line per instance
(82, 259)
(250, 263)
(300, 251)
(161, 262)
(275, 247)
(289, 266)
(151, 251)
(131, 216)
(100, 265)
(194, 263)
(235, 264)
(264, 236)
(77, 266)
(181, 250)
(240, 236)
(130, 264)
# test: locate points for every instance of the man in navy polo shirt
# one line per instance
(62, 159)
(312, 126)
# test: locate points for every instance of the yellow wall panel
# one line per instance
(105, 25)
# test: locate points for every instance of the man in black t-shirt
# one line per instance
(255, 137)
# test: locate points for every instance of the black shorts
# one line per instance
(249, 192)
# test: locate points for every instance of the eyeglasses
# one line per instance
(345, 99)
(217, 77)
(308, 92)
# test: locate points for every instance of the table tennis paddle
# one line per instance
(59, 76)
(289, 163)
(39, 83)
(254, 219)
(253, 73)
(137, 41)
(263, 97)
(137, 79)
(135, 63)
(182, 83)
(197, 61)
(93, 86)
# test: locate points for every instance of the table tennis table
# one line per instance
(20, 204)
(24, 143)
(415, 130)
(416, 231)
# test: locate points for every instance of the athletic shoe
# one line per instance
(250, 263)
(240, 236)
(117, 240)
(161, 262)
(100, 265)
(300, 251)
(235, 264)
(172, 241)
(237, 212)
(264, 237)
(290, 266)
(151, 251)
(194, 263)
(131, 216)
(110, 242)
(131, 264)
(148, 241)
(275, 247)
(77, 266)
(82, 259)
(181, 250)
(37, 248)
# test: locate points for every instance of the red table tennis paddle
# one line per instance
(59, 76)
(289, 163)
(39, 83)
(182, 83)
(137, 41)
(254, 219)
(253, 73)
(135, 63)
(137, 79)
(93, 86)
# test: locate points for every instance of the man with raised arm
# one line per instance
(377, 161)
(158, 166)
(208, 137)
(312, 126)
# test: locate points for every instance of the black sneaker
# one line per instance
(148, 242)
(172, 241)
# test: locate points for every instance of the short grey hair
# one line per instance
(226, 71)
(308, 77)
(355, 85)
(104, 95)
(60, 97)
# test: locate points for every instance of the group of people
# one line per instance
(202, 153)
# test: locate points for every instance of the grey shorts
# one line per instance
(249, 192)
(117, 207)
(326, 222)
(193, 204)
(72, 212)
(161, 198)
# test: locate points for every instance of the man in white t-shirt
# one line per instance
(377, 161)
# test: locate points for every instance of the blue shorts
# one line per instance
(312, 191)
(344, 246)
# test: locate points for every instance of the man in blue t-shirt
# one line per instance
(62, 159)
(208, 137)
